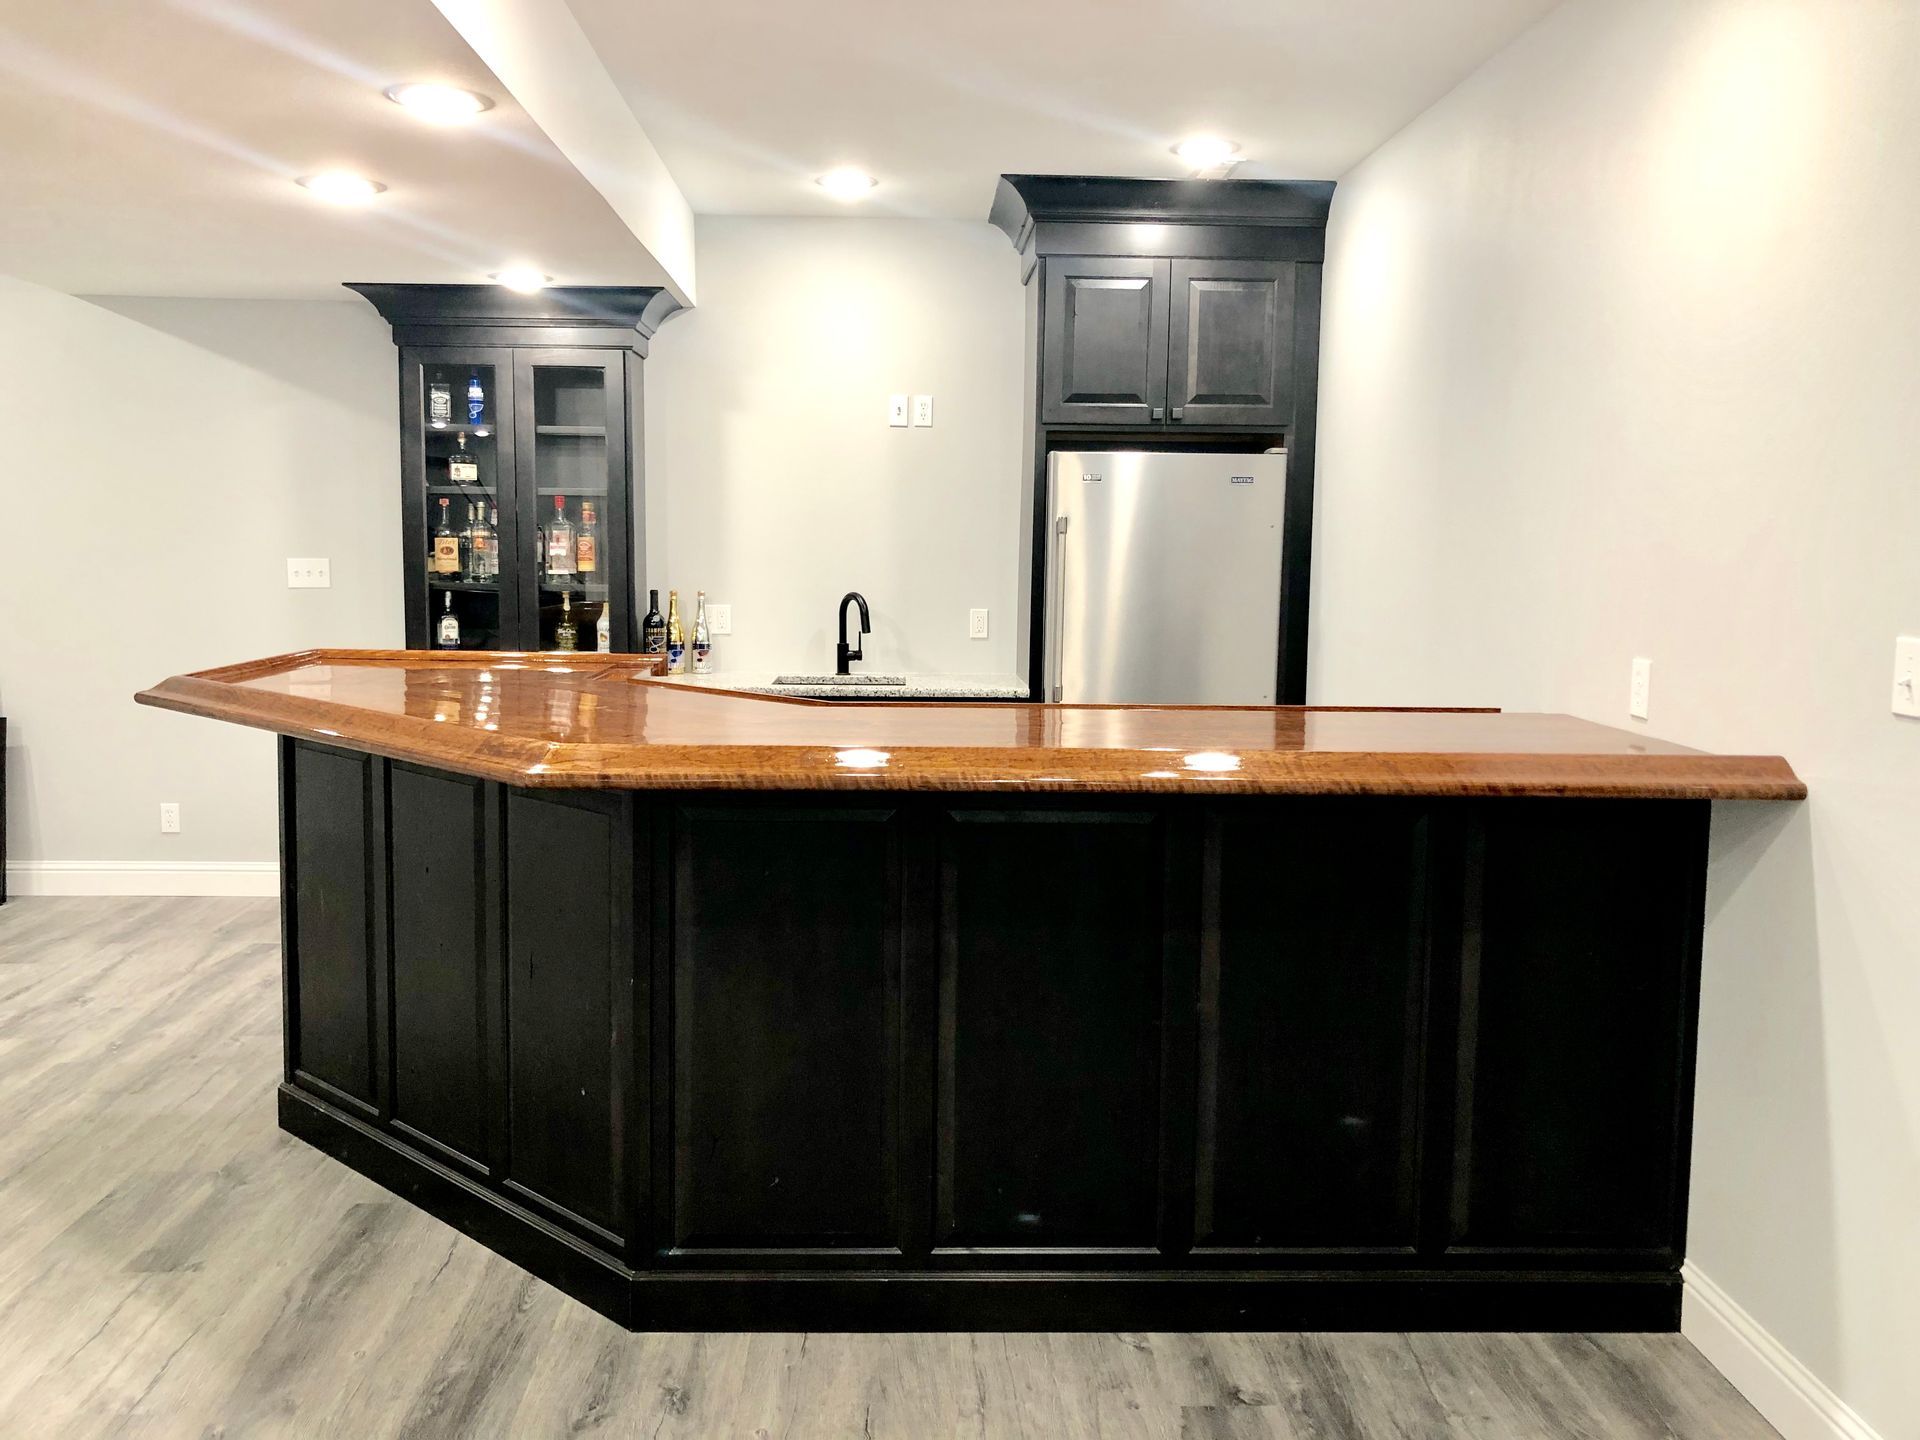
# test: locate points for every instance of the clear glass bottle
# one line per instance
(565, 637)
(463, 466)
(586, 541)
(483, 556)
(702, 637)
(603, 629)
(653, 629)
(466, 539)
(449, 633)
(560, 540)
(439, 405)
(445, 558)
(476, 400)
(676, 638)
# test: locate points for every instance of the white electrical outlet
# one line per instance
(719, 618)
(1906, 675)
(1637, 691)
(896, 410)
(311, 574)
(169, 817)
(976, 624)
(923, 410)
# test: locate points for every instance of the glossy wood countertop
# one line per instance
(600, 721)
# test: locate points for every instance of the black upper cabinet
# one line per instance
(520, 461)
(1230, 341)
(1106, 329)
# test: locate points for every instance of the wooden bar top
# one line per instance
(603, 721)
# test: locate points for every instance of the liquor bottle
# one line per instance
(466, 540)
(565, 637)
(702, 638)
(586, 544)
(653, 629)
(559, 540)
(463, 466)
(439, 405)
(476, 400)
(603, 630)
(446, 545)
(676, 639)
(483, 553)
(449, 624)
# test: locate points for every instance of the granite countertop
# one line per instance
(916, 686)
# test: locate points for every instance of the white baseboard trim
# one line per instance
(143, 877)
(1789, 1396)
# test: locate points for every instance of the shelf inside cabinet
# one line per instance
(469, 491)
(593, 589)
(577, 431)
(587, 490)
(475, 587)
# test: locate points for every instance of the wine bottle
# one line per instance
(702, 639)
(446, 545)
(676, 638)
(586, 543)
(603, 630)
(653, 629)
(565, 637)
(449, 624)
(463, 466)
(560, 540)
(476, 400)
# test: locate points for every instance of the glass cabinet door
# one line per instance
(461, 520)
(572, 469)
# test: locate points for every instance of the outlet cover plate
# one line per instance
(1640, 688)
(309, 574)
(1906, 675)
(719, 618)
(923, 410)
(976, 624)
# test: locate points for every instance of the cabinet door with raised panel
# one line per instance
(1231, 342)
(1105, 360)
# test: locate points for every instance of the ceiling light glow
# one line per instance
(341, 187)
(1206, 152)
(847, 182)
(523, 278)
(438, 104)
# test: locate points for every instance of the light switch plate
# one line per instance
(1638, 691)
(923, 410)
(719, 618)
(309, 574)
(896, 410)
(976, 624)
(1906, 675)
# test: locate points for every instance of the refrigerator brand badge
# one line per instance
(1090, 478)
(1240, 480)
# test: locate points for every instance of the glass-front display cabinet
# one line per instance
(520, 463)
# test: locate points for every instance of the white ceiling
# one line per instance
(748, 100)
(148, 147)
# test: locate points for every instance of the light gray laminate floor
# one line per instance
(172, 1265)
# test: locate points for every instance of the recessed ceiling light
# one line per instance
(342, 187)
(440, 104)
(846, 182)
(1206, 152)
(523, 278)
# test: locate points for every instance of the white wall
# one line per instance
(1622, 357)
(159, 461)
(774, 482)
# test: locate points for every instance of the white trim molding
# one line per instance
(143, 877)
(1789, 1396)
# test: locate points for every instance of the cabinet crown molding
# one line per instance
(1024, 202)
(417, 312)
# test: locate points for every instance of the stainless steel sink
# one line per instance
(811, 680)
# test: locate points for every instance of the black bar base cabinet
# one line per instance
(726, 1060)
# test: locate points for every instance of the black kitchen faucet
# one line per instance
(843, 652)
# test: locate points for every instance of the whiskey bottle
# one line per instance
(476, 400)
(702, 639)
(449, 623)
(560, 540)
(483, 555)
(653, 629)
(603, 629)
(446, 545)
(439, 405)
(565, 637)
(586, 543)
(466, 540)
(463, 466)
(676, 638)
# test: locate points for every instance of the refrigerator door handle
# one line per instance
(1057, 588)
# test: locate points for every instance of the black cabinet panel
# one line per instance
(787, 1046)
(331, 928)
(1231, 342)
(1576, 1013)
(446, 964)
(570, 956)
(1106, 341)
(1048, 1082)
(1312, 992)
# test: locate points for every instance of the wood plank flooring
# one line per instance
(172, 1265)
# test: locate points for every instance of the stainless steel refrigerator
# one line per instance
(1163, 577)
